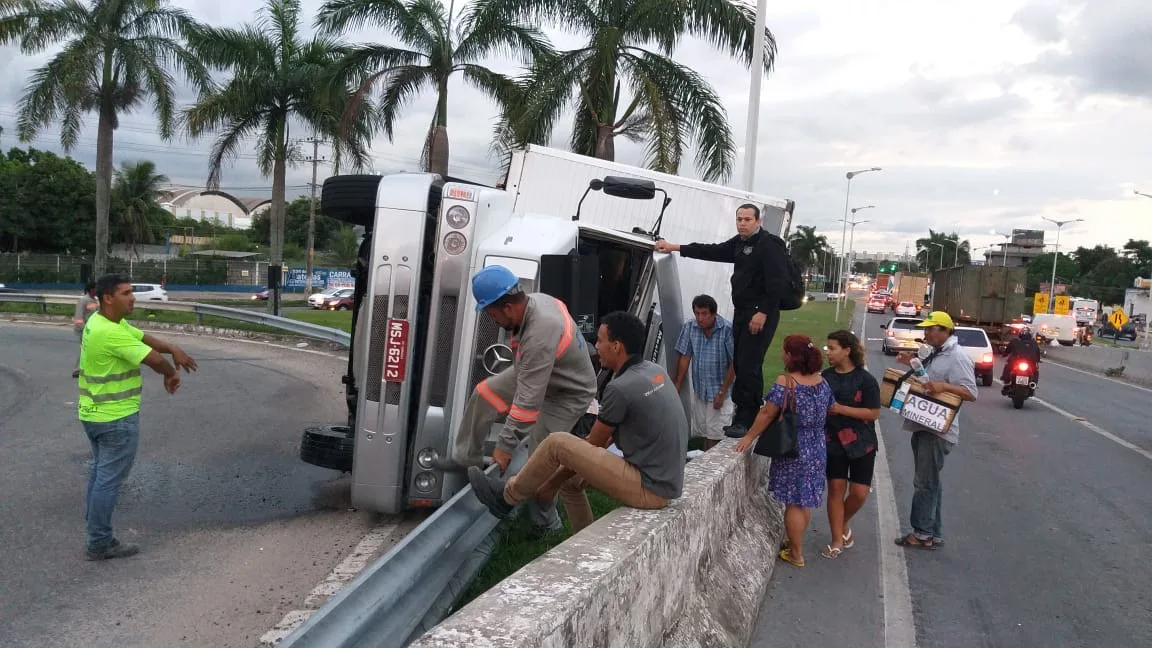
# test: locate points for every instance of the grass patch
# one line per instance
(333, 319)
(814, 319)
(517, 546)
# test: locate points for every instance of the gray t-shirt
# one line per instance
(651, 430)
(953, 366)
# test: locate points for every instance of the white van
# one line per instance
(1062, 328)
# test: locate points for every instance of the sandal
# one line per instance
(786, 556)
(831, 552)
(913, 542)
(849, 539)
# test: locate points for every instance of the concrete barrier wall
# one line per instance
(1137, 364)
(690, 575)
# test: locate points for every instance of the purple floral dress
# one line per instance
(800, 481)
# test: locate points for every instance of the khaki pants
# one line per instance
(594, 466)
(490, 402)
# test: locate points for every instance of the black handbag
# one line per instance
(780, 440)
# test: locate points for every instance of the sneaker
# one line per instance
(115, 549)
(490, 491)
(735, 431)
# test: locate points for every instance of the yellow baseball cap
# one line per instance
(938, 318)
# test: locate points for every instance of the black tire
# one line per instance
(987, 380)
(350, 198)
(328, 446)
(1018, 402)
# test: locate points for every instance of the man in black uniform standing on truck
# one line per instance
(759, 281)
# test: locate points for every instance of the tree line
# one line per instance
(276, 84)
(46, 205)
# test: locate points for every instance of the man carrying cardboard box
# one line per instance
(950, 371)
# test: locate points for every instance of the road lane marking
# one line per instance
(343, 573)
(1097, 429)
(899, 624)
(1096, 375)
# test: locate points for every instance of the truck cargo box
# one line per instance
(981, 295)
(544, 180)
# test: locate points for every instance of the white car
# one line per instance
(907, 309)
(321, 298)
(976, 344)
(149, 292)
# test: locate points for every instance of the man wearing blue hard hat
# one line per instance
(549, 385)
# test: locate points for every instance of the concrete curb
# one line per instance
(1097, 359)
(187, 329)
(690, 575)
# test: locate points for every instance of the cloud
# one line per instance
(1099, 47)
(985, 115)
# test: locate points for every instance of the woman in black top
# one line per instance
(850, 431)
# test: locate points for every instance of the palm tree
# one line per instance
(116, 55)
(135, 202)
(943, 249)
(278, 81)
(436, 45)
(806, 246)
(619, 88)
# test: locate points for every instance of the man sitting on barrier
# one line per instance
(640, 410)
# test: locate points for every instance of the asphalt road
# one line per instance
(1047, 526)
(235, 530)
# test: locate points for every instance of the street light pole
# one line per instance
(753, 126)
(851, 243)
(1007, 238)
(940, 266)
(1141, 193)
(1055, 257)
(844, 233)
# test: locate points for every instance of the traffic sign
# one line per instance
(1063, 305)
(1118, 319)
(1040, 303)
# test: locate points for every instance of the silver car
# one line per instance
(901, 335)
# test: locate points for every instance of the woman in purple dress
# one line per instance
(799, 482)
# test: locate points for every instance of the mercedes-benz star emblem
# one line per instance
(497, 358)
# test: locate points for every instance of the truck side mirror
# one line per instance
(630, 188)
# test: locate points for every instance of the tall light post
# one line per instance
(1138, 193)
(956, 256)
(844, 233)
(1055, 257)
(852, 237)
(941, 246)
(1007, 239)
(753, 127)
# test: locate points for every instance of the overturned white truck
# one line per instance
(418, 345)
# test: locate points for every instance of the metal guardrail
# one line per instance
(413, 586)
(288, 325)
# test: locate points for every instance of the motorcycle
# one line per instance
(1021, 384)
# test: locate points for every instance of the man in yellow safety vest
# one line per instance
(111, 353)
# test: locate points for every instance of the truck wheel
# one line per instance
(350, 198)
(987, 380)
(328, 446)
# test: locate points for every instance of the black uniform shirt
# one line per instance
(761, 272)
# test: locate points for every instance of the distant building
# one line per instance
(1024, 246)
(209, 206)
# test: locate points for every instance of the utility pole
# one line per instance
(315, 160)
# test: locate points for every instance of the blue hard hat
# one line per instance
(492, 283)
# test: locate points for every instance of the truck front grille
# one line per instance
(487, 334)
(445, 347)
(392, 390)
(376, 338)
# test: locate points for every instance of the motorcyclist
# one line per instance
(1024, 347)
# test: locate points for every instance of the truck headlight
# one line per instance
(425, 482)
(425, 458)
(457, 217)
(454, 243)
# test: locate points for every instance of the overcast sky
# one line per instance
(986, 114)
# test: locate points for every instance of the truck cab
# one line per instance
(418, 345)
